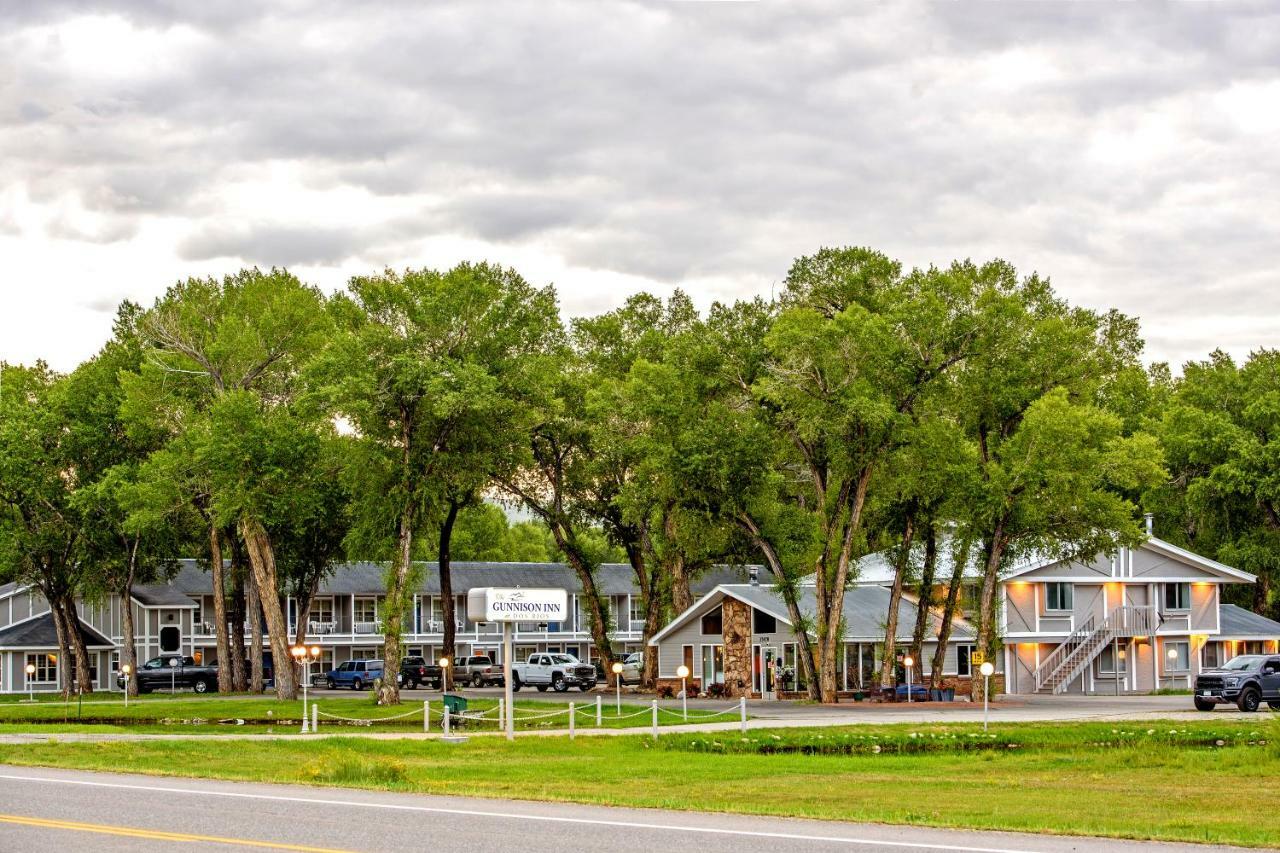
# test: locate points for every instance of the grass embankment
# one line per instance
(214, 715)
(1202, 781)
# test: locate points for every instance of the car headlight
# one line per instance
(1232, 682)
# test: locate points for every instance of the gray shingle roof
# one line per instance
(39, 633)
(161, 595)
(1241, 623)
(366, 578)
(865, 611)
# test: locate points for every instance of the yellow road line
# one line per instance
(157, 835)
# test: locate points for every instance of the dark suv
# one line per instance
(415, 670)
(1246, 680)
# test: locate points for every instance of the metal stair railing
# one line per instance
(1059, 656)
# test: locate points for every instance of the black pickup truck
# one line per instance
(416, 670)
(1245, 681)
(173, 671)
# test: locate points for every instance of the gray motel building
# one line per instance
(1130, 622)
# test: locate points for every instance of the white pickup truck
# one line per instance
(557, 671)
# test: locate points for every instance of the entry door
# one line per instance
(764, 669)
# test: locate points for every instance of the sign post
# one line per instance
(509, 606)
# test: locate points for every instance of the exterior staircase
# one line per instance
(1078, 650)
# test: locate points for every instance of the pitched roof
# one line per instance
(365, 578)
(1238, 623)
(865, 610)
(1033, 561)
(161, 595)
(38, 632)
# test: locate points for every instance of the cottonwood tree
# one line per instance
(239, 343)
(429, 361)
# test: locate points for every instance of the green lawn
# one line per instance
(191, 714)
(1159, 779)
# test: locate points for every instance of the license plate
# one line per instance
(1206, 692)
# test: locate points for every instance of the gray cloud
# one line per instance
(677, 141)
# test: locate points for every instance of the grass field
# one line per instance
(213, 715)
(1201, 781)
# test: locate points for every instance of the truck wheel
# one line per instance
(1249, 700)
(328, 682)
(515, 682)
(1204, 704)
(357, 684)
(558, 684)
(436, 685)
(586, 685)
(477, 680)
(200, 686)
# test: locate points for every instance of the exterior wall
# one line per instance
(736, 622)
(1020, 607)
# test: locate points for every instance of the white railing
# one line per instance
(374, 627)
(1085, 643)
(1132, 620)
(1050, 665)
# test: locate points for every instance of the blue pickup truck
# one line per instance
(356, 674)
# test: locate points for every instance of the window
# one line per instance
(1177, 596)
(713, 664)
(1058, 596)
(321, 610)
(170, 639)
(363, 654)
(964, 660)
(1177, 656)
(46, 669)
(366, 610)
(763, 623)
(1106, 661)
(713, 622)
(1212, 655)
(637, 609)
(688, 658)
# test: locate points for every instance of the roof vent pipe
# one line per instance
(753, 574)
(1150, 519)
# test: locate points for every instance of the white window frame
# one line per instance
(1180, 587)
(1063, 588)
(1183, 664)
(968, 660)
(1124, 661)
(43, 662)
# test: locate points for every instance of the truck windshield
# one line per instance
(563, 659)
(1242, 662)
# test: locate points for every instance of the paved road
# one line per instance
(52, 809)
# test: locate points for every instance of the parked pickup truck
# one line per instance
(356, 674)
(158, 673)
(415, 670)
(1245, 680)
(479, 671)
(557, 671)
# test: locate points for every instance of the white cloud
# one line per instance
(1128, 152)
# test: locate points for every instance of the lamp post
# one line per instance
(908, 662)
(444, 675)
(126, 670)
(683, 672)
(986, 669)
(299, 657)
(31, 690)
(173, 674)
(617, 675)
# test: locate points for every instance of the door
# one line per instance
(763, 670)
(1271, 679)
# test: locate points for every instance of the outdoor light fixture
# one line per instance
(908, 662)
(31, 690)
(126, 669)
(683, 672)
(986, 669)
(617, 699)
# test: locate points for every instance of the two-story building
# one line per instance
(345, 620)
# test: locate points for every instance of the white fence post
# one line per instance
(315, 718)
(598, 707)
(742, 709)
(655, 719)
(446, 720)
(502, 714)
(572, 714)
(426, 715)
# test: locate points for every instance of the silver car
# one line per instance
(632, 667)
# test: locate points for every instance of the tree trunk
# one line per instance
(804, 650)
(994, 552)
(597, 610)
(447, 602)
(924, 602)
(648, 580)
(263, 561)
(253, 608)
(64, 644)
(75, 638)
(831, 595)
(225, 681)
(304, 605)
(681, 597)
(388, 690)
(961, 557)
(129, 648)
(1262, 594)
(239, 614)
(895, 599)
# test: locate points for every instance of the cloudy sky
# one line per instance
(1129, 151)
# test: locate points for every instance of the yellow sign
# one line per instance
(977, 658)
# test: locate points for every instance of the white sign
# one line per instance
(495, 604)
